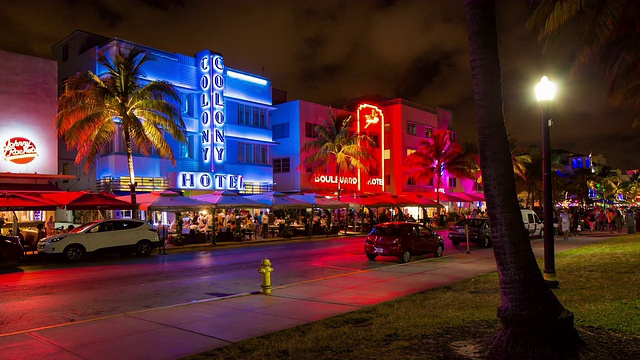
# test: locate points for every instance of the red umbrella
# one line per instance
(87, 200)
(443, 196)
(416, 199)
(12, 201)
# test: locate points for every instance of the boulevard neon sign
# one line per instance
(349, 180)
(19, 150)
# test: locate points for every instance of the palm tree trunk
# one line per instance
(132, 176)
(535, 325)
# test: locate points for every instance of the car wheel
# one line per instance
(439, 251)
(73, 253)
(372, 256)
(455, 242)
(405, 257)
(542, 234)
(143, 248)
(486, 242)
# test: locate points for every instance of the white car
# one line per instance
(533, 224)
(122, 235)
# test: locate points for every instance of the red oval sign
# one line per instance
(19, 150)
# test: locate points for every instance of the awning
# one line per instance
(28, 188)
(86, 200)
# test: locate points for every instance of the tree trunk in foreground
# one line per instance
(535, 325)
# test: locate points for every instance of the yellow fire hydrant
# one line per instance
(265, 269)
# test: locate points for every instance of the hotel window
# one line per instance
(430, 182)
(65, 52)
(411, 128)
(376, 140)
(411, 181)
(387, 154)
(185, 106)
(428, 132)
(280, 131)
(387, 179)
(310, 130)
(252, 115)
(281, 165)
(252, 153)
(187, 149)
(453, 182)
(410, 151)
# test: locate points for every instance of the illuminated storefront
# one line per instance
(226, 113)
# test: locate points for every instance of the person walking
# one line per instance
(50, 226)
(610, 220)
(163, 234)
(564, 223)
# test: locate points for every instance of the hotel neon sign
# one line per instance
(212, 107)
(371, 118)
(208, 181)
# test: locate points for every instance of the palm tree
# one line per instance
(337, 144)
(437, 155)
(610, 32)
(535, 325)
(94, 109)
(631, 187)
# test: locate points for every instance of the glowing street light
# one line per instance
(545, 92)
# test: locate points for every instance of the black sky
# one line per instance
(328, 51)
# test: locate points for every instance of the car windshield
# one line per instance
(84, 227)
(471, 222)
(386, 230)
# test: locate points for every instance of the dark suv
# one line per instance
(402, 239)
(479, 232)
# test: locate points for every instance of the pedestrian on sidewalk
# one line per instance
(163, 234)
(564, 223)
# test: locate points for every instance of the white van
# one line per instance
(532, 223)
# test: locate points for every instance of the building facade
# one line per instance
(226, 113)
(397, 127)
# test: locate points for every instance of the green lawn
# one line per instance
(599, 284)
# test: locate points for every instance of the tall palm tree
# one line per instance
(535, 325)
(337, 144)
(94, 109)
(439, 154)
(610, 35)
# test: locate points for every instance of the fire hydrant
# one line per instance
(265, 269)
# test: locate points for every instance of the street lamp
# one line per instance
(545, 91)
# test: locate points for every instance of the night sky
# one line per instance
(329, 51)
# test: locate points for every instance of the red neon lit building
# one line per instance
(397, 126)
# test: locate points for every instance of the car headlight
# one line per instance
(54, 239)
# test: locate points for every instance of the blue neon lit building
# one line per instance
(226, 112)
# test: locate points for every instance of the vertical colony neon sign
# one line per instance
(212, 116)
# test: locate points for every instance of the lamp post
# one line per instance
(545, 91)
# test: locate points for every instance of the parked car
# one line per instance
(402, 239)
(121, 235)
(479, 232)
(10, 248)
(533, 224)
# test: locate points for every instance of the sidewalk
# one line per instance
(177, 331)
